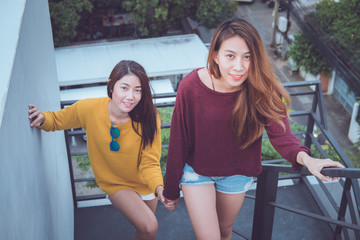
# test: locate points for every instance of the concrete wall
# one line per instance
(354, 127)
(35, 191)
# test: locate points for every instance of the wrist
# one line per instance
(302, 158)
(159, 188)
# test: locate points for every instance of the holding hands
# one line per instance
(169, 204)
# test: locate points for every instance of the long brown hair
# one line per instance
(145, 112)
(262, 96)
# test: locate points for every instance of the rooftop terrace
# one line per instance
(38, 199)
(290, 205)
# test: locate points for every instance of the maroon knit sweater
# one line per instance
(201, 136)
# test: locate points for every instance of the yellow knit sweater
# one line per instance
(113, 170)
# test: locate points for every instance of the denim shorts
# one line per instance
(234, 184)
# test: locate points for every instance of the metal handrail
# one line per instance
(266, 189)
(331, 172)
(267, 182)
(265, 200)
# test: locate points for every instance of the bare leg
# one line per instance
(140, 213)
(228, 207)
(152, 204)
(201, 204)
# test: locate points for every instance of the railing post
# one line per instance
(264, 213)
(71, 171)
(311, 121)
(346, 201)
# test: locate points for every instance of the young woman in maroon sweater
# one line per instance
(216, 130)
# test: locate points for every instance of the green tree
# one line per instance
(154, 18)
(107, 4)
(210, 13)
(307, 55)
(340, 20)
(65, 16)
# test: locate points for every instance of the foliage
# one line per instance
(83, 162)
(165, 116)
(341, 22)
(108, 4)
(354, 154)
(165, 136)
(91, 184)
(328, 149)
(65, 16)
(338, 22)
(305, 54)
(295, 127)
(268, 152)
(211, 13)
(153, 17)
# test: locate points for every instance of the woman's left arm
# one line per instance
(314, 165)
(290, 148)
(285, 143)
(150, 162)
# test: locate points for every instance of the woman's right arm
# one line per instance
(178, 150)
(55, 120)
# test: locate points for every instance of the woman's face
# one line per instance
(233, 59)
(126, 93)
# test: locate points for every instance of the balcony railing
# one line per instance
(343, 224)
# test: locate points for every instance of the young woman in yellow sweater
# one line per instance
(124, 143)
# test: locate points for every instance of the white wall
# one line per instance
(354, 127)
(35, 191)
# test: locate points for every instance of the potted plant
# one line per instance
(306, 55)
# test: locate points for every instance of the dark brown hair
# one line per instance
(145, 112)
(262, 96)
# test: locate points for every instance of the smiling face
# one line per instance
(126, 94)
(233, 59)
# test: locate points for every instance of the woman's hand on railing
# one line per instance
(36, 117)
(315, 165)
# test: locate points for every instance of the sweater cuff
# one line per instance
(46, 124)
(171, 195)
(155, 183)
